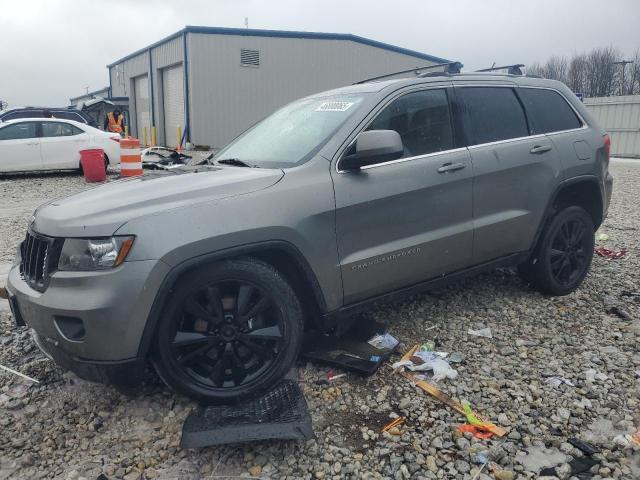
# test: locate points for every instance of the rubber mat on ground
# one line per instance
(279, 414)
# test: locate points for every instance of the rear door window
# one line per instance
(18, 131)
(58, 129)
(548, 111)
(494, 114)
(69, 116)
(421, 119)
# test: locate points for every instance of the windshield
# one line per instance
(292, 134)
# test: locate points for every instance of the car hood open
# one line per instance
(101, 211)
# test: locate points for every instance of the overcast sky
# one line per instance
(51, 50)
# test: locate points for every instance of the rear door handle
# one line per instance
(451, 167)
(540, 149)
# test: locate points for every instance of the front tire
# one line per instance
(228, 331)
(563, 256)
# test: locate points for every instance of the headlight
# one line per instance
(94, 253)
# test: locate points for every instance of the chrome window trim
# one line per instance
(508, 140)
(415, 157)
(417, 88)
(584, 126)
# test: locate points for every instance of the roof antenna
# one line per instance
(246, 22)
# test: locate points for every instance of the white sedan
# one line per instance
(29, 144)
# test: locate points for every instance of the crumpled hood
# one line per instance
(101, 211)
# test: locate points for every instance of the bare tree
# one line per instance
(577, 74)
(593, 73)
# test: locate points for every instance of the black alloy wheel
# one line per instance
(562, 258)
(229, 330)
(569, 252)
(229, 335)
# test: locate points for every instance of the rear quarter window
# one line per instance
(494, 114)
(548, 111)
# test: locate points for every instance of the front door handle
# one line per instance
(31, 144)
(451, 167)
(540, 149)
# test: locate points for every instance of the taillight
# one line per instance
(115, 139)
(607, 144)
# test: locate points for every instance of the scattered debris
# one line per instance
(331, 376)
(527, 342)
(456, 357)
(538, 458)
(577, 465)
(3, 293)
(477, 431)
(443, 397)
(422, 360)
(557, 381)
(163, 158)
(385, 340)
(602, 237)
(610, 254)
(620, 313)
(592, 375)
(393, 423)
(350, 351)
(483, 332)
(26, 377)
(585, 447)
(634, 295)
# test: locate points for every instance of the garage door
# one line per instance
(143, 117)
(173, 101)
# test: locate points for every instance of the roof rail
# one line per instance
(514, 69)
(449, 68)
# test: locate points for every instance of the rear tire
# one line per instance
(228, 331)
(563, 255)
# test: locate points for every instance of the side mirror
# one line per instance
(374, 146)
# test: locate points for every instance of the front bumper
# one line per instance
(128, 372)
(111, 305)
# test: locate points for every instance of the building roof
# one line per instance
(249, 32)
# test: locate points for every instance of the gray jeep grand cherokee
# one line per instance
(337, 200)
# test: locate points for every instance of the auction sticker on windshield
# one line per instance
(334, 106)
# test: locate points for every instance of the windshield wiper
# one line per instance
(236, 162)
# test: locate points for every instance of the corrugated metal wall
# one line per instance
(226, 98)
(123, 74)
(620, 117)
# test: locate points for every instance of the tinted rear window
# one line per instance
(69, 116)
(20, 114)
(548, 111)
(494, 114)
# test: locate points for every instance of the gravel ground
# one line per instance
(69, 429)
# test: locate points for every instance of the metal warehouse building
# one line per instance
(216, 82)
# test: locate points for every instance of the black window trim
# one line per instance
(373, 114)
(583, 123)
(515, 87)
